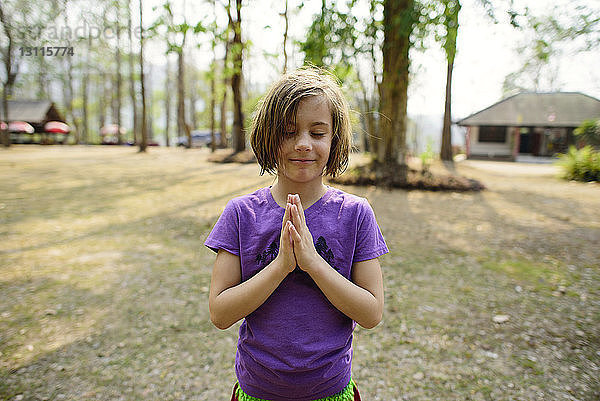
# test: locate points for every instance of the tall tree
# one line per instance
(175, 35)
(102, 90)
(399, 20)
(18, 20)
(144, 133)
(237, 48)
(213, 29)
(285, 36)
(132, 84)
(167, 102)
(370, 98)
(451, 8)
(226, 77)
(85, 91)
(68, 89)
(118, 76)
(192, 94)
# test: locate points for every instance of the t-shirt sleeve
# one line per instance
(369, 240)
(225, 233)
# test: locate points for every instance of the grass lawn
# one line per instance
(104, 281)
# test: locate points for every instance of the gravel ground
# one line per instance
(104, 280)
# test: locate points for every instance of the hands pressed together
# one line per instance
(296, 247)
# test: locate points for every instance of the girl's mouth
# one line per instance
(302, 161)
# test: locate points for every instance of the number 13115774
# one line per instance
(46, 51)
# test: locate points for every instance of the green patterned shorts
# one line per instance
(347, 394)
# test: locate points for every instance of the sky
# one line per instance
(487, 52)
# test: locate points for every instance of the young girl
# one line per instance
(297, 260)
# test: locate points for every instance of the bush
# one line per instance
(580, 165)
(589, 133)
(427, 157)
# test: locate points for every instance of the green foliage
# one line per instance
(174, 34)
(331, 40)
(547, 33)
(589, 133)
(427, 157)
(580, 165)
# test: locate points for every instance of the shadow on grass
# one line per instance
(168, 220)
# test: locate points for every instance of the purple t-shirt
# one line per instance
(296, 345)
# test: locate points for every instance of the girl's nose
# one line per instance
(303, 142)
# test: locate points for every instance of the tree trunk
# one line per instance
(5, 133)
(119, 79)
(446, 151)
(102, 95)
(86, 78)
(451, 11)
(149, 105)
(10, 76)
(213, 95)
(136, 136)
(168, 103)
(181, 126)
(368, 117)
(398, 25)
(68, 87)
(224, 102)
(236, 81)
(192, 92)
(213, 84)
(285, 36)
(75, 119)
(42, 84)
(144, 134)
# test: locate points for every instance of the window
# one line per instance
(492, 134)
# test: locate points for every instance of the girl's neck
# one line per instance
(309, 192)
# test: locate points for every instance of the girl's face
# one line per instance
(305, 149)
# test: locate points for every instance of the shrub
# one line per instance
(580, 165)
(427, 157)
(589, 133)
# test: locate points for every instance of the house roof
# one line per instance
(31, 111)
(558, 109)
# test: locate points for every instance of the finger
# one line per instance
(300, 208)
(289, 230)
(286, 236)
(286, 217)
(296, 217)
(299, 217)
(294, 234)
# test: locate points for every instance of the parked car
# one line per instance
(199, 139)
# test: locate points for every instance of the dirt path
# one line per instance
(104, 281)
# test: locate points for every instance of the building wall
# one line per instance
(552, 140)
(489, 149)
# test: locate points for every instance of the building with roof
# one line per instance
(35, 112)
(538, 124)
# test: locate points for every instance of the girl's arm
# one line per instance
(360, 299)
(229, 299)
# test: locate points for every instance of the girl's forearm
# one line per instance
(352, 300)
(239, 301)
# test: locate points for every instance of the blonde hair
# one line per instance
(279, 106)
